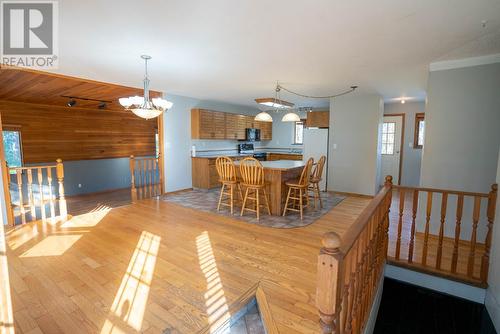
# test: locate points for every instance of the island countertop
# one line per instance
(279, 164)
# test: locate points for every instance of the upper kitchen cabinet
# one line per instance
(318, 119)
(235, 126)
(208, 124)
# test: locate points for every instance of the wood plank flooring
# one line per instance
(155, 266)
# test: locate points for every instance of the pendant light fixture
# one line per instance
(143, 106)
(278, 104)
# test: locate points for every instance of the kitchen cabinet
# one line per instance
(209, 124)
(283, 156)
(318, 119)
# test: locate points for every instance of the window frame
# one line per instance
(303, 122)
(419, 117)
(387, 143)
(15, 128)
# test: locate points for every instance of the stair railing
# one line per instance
(32, 193)
(145, 177)
(350, 268)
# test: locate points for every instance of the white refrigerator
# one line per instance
(316, 145)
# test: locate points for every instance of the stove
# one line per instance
(248, 149)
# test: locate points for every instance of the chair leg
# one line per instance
(232, 195)
(286, 203)
(319, 196)
(267, 202)
(244, 202)
(258, 203)
(241, 193)
(300, 203)
(220, 196)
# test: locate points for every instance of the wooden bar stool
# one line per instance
(299, 187)
(316, 177)
(227, 176)
(252, 173)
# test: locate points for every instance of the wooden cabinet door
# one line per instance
(250, 122)
(231, 126)
(318, 119)
(206, 125)
(219, 125)
(240, 127)
(266, 130)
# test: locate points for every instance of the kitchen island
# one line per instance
(276, 174)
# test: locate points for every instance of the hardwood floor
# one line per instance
(81, 204)
(153, 266)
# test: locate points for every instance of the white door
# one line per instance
(391, 147)
(316, 145)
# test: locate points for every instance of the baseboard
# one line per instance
(493, 307)
(343, 193)
(178, 191)
(439, 284)
(372, 318)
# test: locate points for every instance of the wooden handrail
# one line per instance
(350, 268)
(475, 264)
(35, 176)
(145, 177)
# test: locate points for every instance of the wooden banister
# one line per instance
(28, 201)
(63, 211)
(350, 268)
(145, 177)
(457, 257)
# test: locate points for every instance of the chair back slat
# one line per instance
(317, 172)
(225, 169)
(252, 171)
(306, 172)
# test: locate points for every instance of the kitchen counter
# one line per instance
(236, 155)
(279, 164)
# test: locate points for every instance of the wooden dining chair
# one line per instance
(227, 176)
(297, 191)
(315, 179)
(252, 174)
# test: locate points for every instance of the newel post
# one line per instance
(133, 190)
(492, 203)
(329, 285)
(63, 211)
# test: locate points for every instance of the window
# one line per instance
(298, 138)
(12, 147)
(388, 131)
(419, 130)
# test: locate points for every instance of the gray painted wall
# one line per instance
(354, 165)
(493, 292)
(462, 138)
(412, 157)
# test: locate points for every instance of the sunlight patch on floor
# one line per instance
(215, 301)
(90, 219)
(53, 245)
(6, 316)
(19, 235)
(129, 305)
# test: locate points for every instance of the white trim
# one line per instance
(465, 62)
(439, 284)
(493, 307)
(372, 318)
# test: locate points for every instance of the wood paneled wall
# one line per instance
(49, 132)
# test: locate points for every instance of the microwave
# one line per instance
(252, 134)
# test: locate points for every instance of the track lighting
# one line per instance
(102, 105)
(71, 103)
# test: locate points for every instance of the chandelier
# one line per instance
(143, 106)
(278, 104)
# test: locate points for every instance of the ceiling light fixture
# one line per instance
(291, 117)
(403, 101)
(263, 117)
(143, 106)
(274, 102)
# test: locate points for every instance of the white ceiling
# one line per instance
(235, 50)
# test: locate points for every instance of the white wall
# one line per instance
(354, 165)
(283, 132)
(493, 292)
(412, 157)
(462, 138)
